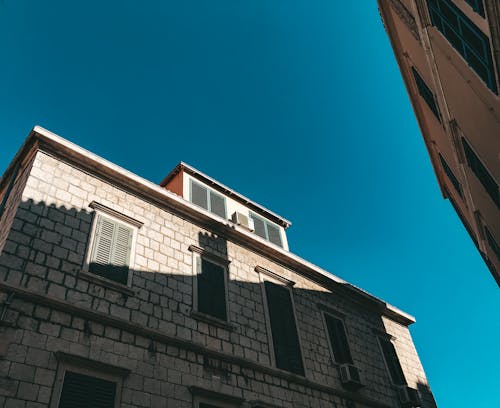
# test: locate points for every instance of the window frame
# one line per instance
(467, 146)
(198, 254)
(87, 367)
(106, 212)
(253, 215)
(455, 182)
(465, 47)
(209, 192)
(419, 81)
(265, 275)
(324, 314)
(389, 339)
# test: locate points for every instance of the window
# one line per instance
(426, 93)
(491, 242)
(451, 176)
(110, 249)
(481, 173)
(210, 284)
(477, 6)
(208, 398)
(392, 362)
(84, 391)
(208, 199)
(285, 339)
(85, 383)
(465, 37)
(266, 229)
(338, 339)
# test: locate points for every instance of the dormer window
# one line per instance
(207, 199)
(267, 230)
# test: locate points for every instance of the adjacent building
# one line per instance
(448, 52)
(118, 292)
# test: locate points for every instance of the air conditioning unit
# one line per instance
(243, 220)
(409, 397)
(349, 376)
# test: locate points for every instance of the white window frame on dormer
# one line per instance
(266, 222)
(210, 191)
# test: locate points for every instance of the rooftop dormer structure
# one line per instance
(207, 193)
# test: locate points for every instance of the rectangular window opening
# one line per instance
(338, 340)
(392, 362)
(464, 35)
(111, 249)
(481, 172)
(286, 345)
(211, 288)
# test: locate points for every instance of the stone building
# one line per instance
(448, 52)
(117, 292)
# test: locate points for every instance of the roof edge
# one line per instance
(44, 140)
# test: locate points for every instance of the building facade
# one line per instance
(448, 52)
(117, 292)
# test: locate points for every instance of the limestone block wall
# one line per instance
(54, 310)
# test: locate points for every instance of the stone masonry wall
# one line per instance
(153, 332)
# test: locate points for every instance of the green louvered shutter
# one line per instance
(83, 391)
(285, 337)
(211, 289)
(338, 340)
(110, 256)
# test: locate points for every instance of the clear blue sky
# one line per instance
(297, 104)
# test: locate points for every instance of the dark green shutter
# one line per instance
(212, 290)
(217, 204)
(83, 391)
(392, 361)
(199, 195)
(111, 250)
(285, 338)
(338, 340)
(204, 405)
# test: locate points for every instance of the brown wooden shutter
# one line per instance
(212, 290)
(285, 338)
(83, 391)
(392, 361)
(338, 340)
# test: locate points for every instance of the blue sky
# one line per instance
(297, 104)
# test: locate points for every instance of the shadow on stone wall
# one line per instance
(45, 252)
